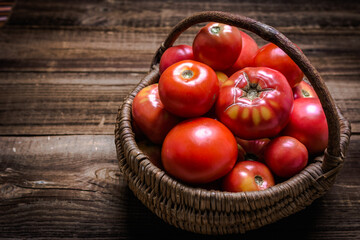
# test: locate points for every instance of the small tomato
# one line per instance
(286, 156)
(274, 57)
(304, 90)
(175, 54)
(150, 116)
(308, 124)
(248, 176)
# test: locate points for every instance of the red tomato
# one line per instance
(247, 54)
(175, 54)
(252, 149)
(286, 156)
(188, 88)
(248, 176)
(308, 125)
(273, 57)
(304, 90)
(199, 150)
(150, 116)
(255, 103)
(217, 45)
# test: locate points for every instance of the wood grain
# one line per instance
(51, 189)
(87, 103)
(66, 66)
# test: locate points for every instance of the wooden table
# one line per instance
(65, 67)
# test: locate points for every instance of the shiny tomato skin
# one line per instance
(150, 116)
(175, 54)
(217, 45)
(304, 90)
(273, 57)
(286, 156)
(247, 54)
(255, 103)
(188, 88)
(199, 150)
(248, 176)
(308, 124)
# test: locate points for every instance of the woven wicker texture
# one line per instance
(216, 212)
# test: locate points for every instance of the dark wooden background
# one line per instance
(65, 67)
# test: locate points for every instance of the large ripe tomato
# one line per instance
(286, 156)
(199, 150)
(217, 45)
(188, 88)
(247, 54)
(304, 90)
(150, 116)
(248, 176)
(255, 103)
(308, 124)
(175, 54)
(273, 57)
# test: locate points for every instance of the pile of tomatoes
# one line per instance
(228, 112)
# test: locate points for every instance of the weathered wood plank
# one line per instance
(70, 186)
(118, 49)
(166, 13)
(87, 103)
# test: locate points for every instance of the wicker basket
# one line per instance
(216, 212)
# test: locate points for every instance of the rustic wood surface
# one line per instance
(65, 67)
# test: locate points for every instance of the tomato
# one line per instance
(175, 54)
(248, 176)
(273, 57)
(286, 156)
(255, 103)
(247, 54)
(188, 88)
(252, 149)
(199, 150)
(304, 90)
(308, 124)
(150, 116)
(217, 45)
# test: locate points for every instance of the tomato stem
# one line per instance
(259, 180)
(187, 74)
(215, 29)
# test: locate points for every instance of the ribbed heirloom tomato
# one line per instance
(188, 88)
(199, 150)
(255, 103)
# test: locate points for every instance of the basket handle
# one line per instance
(333, 156)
